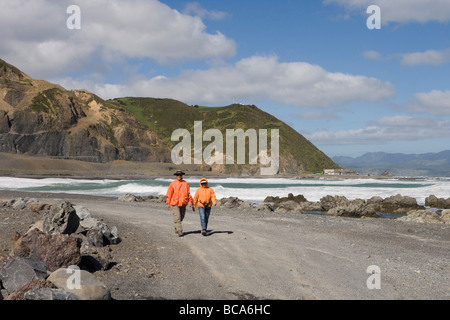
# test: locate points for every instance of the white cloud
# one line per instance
(429, 57)
(435, 102)
(34, 35)
(402, 11)
(260, 78)
(387, 129)
(196, 9)
(372, 55)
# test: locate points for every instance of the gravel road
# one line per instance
(255, 255)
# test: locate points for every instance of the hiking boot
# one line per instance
(204, 232)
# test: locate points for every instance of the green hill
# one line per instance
(163, 116)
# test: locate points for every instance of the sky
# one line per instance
(320, 66)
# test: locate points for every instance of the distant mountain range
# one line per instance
(399, 164)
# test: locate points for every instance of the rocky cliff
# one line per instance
(42, 119)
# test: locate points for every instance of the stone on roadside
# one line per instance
(88, 287)
(19, 204)
(110, 235)
(49, 294)
(20, 293)
(61, 219)
(82, 212)
(55, 251)
(19, 271)
(422, 216)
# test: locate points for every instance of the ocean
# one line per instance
(247, 189)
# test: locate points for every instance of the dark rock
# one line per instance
(95, 236)
(19, 271)
(61, 219)
(20, 293)
(56, 251)
(49, 294)
(95, 258)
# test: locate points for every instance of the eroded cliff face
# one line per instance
(39, 118)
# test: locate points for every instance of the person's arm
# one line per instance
(189, 195)
(169, 195)
(194, 203)
(213, 197)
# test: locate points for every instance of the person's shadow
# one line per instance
(208, 232)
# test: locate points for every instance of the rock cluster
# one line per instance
(43, 261)
(373, 207)
(435, 202)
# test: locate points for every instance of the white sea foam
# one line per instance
(248, 189)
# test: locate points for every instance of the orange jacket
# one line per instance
(178, 193)
(204, 195)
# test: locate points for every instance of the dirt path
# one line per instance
(266, 256)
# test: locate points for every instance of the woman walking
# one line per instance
(205, 197)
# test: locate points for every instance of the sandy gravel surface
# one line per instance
(253, 255)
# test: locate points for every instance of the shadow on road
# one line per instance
(208, 232)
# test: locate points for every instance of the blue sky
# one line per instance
(313, 64)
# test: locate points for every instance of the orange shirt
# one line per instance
(178, 193)
(204, 195)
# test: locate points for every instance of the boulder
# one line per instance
(19, 271)
(435, 202)
(230, 202)
(37, 206)
(20, 293)
(422, 216)
(95, 237)
(329, 202)
(130, 198)
(445, 215)
(310, 206)
(287, 206)
(399, 204)
(61, 219)
(298, 198)
(49, 294)
(55, 251)
(356, 208)
(82, 212)
(19, 204)
(95, 258)
(110, 235)
(90, 288)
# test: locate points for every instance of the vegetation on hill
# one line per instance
(163, 116)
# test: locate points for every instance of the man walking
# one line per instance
(178, 196)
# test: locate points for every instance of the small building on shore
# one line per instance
(337, 172)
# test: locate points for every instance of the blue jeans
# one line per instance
(204, 216)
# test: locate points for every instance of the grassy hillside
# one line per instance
(163, 116)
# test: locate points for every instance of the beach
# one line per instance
(253, 254)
